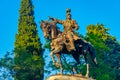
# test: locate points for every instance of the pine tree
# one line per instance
(28, 52)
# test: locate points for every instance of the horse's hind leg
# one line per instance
(76, 57)
(87, 72)
(87, 65)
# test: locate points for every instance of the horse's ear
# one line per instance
(42, 21)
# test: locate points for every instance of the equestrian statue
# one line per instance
(67, 42)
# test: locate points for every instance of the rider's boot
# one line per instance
(72, 45)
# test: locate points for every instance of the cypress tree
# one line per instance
(28, 52)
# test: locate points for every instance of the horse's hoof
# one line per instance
(86, 76)
(60, 73)
(78, 74)
(57, 65)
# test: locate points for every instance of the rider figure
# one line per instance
(69, 26)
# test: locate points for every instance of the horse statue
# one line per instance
(58, 46)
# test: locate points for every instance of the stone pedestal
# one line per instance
(69, 77)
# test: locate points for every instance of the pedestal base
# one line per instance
(69, 77)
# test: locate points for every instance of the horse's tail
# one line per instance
(92, 53)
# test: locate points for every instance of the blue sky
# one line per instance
(85, 12)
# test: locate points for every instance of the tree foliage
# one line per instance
(104, 43)
(7, 66)
(100, 31)
(28, 66)
(28, 58)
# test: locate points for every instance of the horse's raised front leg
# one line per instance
(58, 55)
(52, 56)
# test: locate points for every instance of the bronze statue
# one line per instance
(68, 33)
(59, 46)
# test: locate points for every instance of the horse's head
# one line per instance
(46, 28)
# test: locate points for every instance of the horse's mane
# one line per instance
(52, 26)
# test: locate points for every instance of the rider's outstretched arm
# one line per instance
(55, 19)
